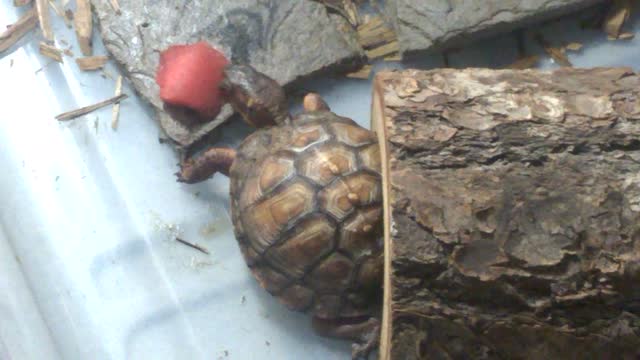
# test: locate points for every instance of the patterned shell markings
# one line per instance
(306, 206)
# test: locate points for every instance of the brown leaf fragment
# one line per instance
(527, 62)
(21, 2)
(51, 52)
(574, 46)
(92, 62)
(69, 115)
(363, 73)
(115, 114)
(84, 26)
(556, 53)
(616, 16)
(15, 32)
(44, 19)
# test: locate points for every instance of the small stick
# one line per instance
(84, 25)
(15, 32)
(116, 6)
(87, 109)
(195, 246)
(116, 107)
(45, 20)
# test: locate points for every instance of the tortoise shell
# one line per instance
(306, 201)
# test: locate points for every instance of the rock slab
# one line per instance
(427, 25)
(286, 39)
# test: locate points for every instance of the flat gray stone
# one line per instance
(286, 39)
(435, 24)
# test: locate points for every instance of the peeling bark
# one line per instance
(513, 213)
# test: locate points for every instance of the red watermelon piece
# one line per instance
(189, 76)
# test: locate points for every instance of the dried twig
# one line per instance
(115, 115)
(116, 6)
(51, 52)
(195, 246)
(15, 32)
(87, 109)
(92, 62)
(44, 19)
(84, 26)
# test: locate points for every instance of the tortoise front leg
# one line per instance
(365, 334)
(204, 165)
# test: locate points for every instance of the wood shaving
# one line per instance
(626, 36)
(84, 26)
(15, 32)
(393, 57)
(363, 73)
(51, 52)
(59, 12)
(346, 8)
(557, 54)
(44, 19)
(115, 114)
(574, 46)
(69, 115)
(116, 6)
(383, 50)
(90, 63)
(616, 16)
(527, 62)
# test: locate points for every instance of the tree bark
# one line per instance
(512, 213)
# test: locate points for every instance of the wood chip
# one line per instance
(51, 52)
(626, 36)
(616, 16)
(15, 32)
(363, 73)
(92, 62)
(115, 114)
(384, 50)
(393, 57)
(44, 19)
(69, 115)
(116, 6)
(376, 36)
(21, 2)
(59, 12)
(84, 26)
(556, 54)
(527, 62)
(574, 46)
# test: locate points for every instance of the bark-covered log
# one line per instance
(512, 213)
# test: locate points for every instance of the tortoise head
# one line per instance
(259, 99)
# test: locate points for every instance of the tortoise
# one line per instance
(306, 203)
